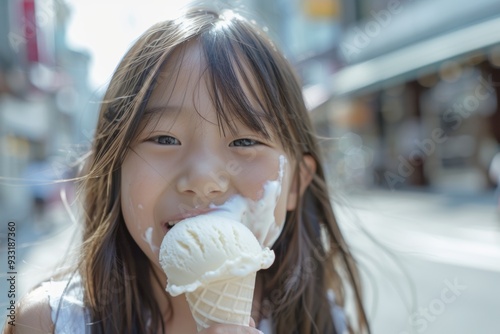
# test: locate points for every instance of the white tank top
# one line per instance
(66, 303)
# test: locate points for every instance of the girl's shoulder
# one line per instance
(33, 314)
(52, 305)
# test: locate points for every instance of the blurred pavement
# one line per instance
(427, 260)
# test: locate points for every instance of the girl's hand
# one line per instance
(232, 329)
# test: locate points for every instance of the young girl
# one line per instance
(201, 109)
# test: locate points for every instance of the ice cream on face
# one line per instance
(258, 215)
(148, 237)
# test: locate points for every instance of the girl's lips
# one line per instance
(167, 225)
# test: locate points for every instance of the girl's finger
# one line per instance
(230, 329)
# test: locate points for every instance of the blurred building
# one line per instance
(417, 99)
(43, 95)
(307, 31)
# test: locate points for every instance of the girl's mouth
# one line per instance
(168, 225)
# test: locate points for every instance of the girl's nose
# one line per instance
(206, 178)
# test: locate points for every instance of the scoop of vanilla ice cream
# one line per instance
(208, 248)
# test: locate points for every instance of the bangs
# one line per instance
(240, 78)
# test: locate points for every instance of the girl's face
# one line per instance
(182, 165)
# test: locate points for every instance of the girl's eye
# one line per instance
(166, 140)
(244, 142)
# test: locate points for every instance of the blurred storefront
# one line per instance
(418, 94)
(43, 90)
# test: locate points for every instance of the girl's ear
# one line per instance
(307, 169)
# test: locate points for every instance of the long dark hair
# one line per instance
(311, 252)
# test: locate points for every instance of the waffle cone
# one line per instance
(228, 302)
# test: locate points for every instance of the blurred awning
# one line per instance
(416, 40)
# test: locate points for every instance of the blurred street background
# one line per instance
(405, 95)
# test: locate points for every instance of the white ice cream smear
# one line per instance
(148, 237)
(258, 215)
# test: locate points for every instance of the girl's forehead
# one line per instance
(181, 74)
(184, 81)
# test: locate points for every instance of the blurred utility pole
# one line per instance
(349, 12)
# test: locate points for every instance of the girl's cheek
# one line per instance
(255, 175)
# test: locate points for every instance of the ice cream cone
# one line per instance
(228, 302)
